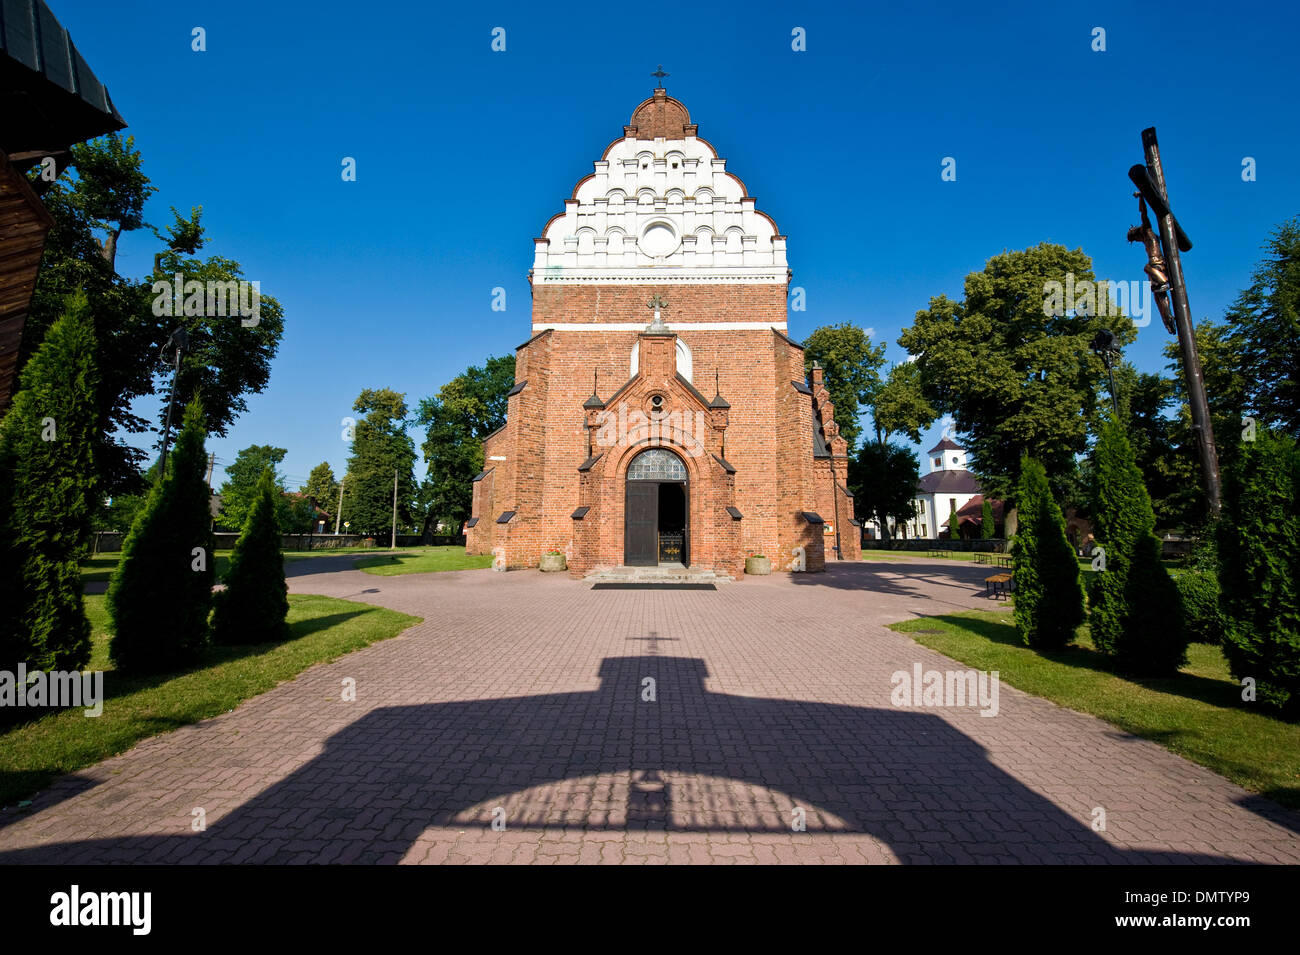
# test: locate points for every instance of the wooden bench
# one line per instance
(983, 557)
(997, 584)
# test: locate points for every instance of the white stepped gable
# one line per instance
(660, 204)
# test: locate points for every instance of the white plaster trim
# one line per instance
(659, 274)
(639, 326)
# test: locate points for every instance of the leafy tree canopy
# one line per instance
(900, 405)
(380, 446)
(323, 487)
(105, 194)
(852, 368)
(1017, 378)
(883, 480)
(240, 488)
(456, 420)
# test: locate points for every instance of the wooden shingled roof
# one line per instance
(49, 97)
(23, 225)
(49, 100)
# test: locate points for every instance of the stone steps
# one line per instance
(664, 573)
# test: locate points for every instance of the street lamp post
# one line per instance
(178, 340)
(1105, 345)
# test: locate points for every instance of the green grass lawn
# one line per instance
(406, 560)
(1198, 714)
(136, 707)
(422, 560)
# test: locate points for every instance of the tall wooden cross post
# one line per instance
(1150, 180)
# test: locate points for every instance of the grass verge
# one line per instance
(136, 707)
(422, 560)
(1198, 714)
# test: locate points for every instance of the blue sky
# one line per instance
(463, 154)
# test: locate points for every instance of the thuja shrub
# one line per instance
(254, 607)
(1259, 568)
(161, 594)
(1048, 594)
(1137, 613)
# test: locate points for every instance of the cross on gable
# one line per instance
(659, 74)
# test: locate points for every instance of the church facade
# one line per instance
(661, 414)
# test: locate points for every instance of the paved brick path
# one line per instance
(519, 698)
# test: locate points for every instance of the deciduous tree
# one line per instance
(1017, 377)
(883, 480)
(104, 194)
(380, 447)
(465, 411)
(899, 405)
(852, 368)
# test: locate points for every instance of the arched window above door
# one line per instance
(656, 464)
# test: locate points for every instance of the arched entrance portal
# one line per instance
(655, 519)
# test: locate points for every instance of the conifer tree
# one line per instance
(987, 529)
(255, 604)
(1048, 597)
(1259, 568)
(47, 497)
(1137, 614)
(161, 594)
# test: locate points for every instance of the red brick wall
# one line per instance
(766, 434)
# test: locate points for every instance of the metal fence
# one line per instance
(107, 542)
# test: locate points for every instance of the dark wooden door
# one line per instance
(641, 524)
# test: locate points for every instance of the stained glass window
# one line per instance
(656, 465)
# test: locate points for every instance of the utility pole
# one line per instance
(212, 460)
(338, 514)
(393, 545)
(1150, 180)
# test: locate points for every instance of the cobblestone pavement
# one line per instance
(520, 700)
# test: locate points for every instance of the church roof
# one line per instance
(947, 444)
(820, 448)
(974, 509)
(948, 482)
(661, 117)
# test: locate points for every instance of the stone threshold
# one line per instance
(664, 573)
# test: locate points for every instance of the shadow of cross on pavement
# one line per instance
(654, 640)
(692, 760)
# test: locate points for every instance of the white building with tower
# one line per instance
(943, 491)
(946, 488)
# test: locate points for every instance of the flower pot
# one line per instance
(552, 562)
(758, 565)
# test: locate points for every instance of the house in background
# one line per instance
(947, 488)
(972, 517)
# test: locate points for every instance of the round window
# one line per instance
(658, 240)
